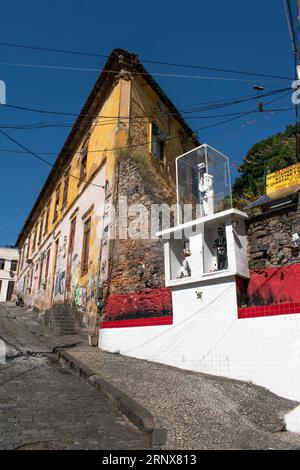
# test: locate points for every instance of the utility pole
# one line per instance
(292, 13)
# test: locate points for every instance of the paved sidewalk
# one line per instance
(198, 411)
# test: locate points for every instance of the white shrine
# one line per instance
(209, 242)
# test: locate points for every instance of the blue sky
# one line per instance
(247, 36)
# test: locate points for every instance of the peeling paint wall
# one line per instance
(48, 278)
(44, 292)
(146, 104)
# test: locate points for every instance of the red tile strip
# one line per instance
(269, 310)
(167, 320)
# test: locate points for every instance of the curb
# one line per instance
(135, 412)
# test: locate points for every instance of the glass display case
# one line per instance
(203, 183)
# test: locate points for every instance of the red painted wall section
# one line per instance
(272, 291)
(271, 286)
(134, 305)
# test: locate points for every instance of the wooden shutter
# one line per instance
(85, 247)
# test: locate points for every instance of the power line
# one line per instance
(126, 147)
(35, 155)
(213, 105)
(154, 74)
(172, 64)
(289, 19)
(25, 148)
(15, 214)
(237, 116)
(54, 125)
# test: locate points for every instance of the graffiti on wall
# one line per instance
(80, 296)
(60, 283)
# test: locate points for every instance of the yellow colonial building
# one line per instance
(124, 142)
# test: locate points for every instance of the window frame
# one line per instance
(83, 158)
(11, 265)
(157, 140)
(47, 218)
(86, 246)
(66, 187)
(56, 203)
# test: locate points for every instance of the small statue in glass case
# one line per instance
(206, 191)
(185, 267)
(220, 246)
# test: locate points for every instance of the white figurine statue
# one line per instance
(206, 191)
(185, 267)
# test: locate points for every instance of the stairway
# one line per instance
(61, 320)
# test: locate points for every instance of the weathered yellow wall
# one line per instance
(145, 102)
(102, 138)
(105, 134)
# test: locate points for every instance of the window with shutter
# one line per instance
(56, 205)
(158, 143)
(47, 266)
(47, 219)
(13, 265)
(85, 247)
(83, 163)
(66, 188)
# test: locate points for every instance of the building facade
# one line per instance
(8, 267)
(123, 144)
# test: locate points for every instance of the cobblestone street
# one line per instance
(46, 406)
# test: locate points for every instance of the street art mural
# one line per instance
(48, 281)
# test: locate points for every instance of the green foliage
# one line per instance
(272, 154)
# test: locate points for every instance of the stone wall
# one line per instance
(269, 238)
(137, 264)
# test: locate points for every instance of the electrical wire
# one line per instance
(35, 155)
(172, 64)
(289, 19)
(15, 214)
(154, 74)
(213, 105)
(53, 125)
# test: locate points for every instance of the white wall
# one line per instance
(208, 337)
(8, 254)
(3, 290)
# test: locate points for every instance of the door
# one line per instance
(10, 289)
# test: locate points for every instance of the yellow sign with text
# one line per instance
(283, 182)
